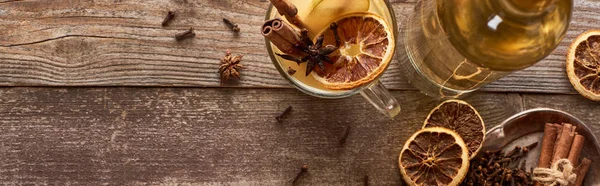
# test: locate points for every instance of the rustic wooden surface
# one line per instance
(120, 43)
(121, 136)
(172, 123)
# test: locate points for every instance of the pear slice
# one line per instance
(325, 11)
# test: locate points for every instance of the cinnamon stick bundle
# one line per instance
(560, 142)
(548, 141)
(282, 35)
(289, 11)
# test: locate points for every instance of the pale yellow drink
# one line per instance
(316, 23)
(456, 46)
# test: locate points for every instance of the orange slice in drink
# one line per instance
(365, 51)
(583, 64)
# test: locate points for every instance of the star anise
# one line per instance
(230, 65)
(316, 54)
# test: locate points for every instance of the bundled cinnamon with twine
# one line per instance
(282, 35)
(559, 160)
(289, 11)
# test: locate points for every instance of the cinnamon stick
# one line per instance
(548, 141)
(289, 11)
(282, 35)
(564, 142)
(576, 148)
(582, 171)
(550, 134)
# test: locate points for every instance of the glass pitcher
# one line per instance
(453, 47)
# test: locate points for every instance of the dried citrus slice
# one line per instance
(434, 156)
(461, 117)
(367, 47)
(583, 64)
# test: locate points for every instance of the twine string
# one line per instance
(559, 174)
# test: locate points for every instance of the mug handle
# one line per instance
(382, 99)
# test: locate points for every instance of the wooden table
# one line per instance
(97, 92)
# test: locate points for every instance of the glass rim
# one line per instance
(305, 88)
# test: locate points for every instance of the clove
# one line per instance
(234, 27)
(184, 35)
(513, 151)
(334, 26)
(499, 168)
(291, 71)
(345, 136)
(366, 180)
(303, 171)
(283, 114)
(167, 20)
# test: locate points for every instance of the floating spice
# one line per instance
(283, 36)
(230, 66)
(291, 71)
(289, 11)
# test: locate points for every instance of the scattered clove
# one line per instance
(303, 171)
(234, 27)
(283, 114)
(366, 180)
(184, 35)
(345, 136)
(167, 20)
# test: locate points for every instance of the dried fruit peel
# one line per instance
(461, 117)
(583, 64)
(431, 154)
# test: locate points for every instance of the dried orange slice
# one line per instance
(434, 156)
(583, 64)
(367, 47)
(461, 117)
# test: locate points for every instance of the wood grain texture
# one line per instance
(121, 43)
(125, 136)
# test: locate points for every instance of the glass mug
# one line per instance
(375, 92)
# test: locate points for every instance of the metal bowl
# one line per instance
(528, 127)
